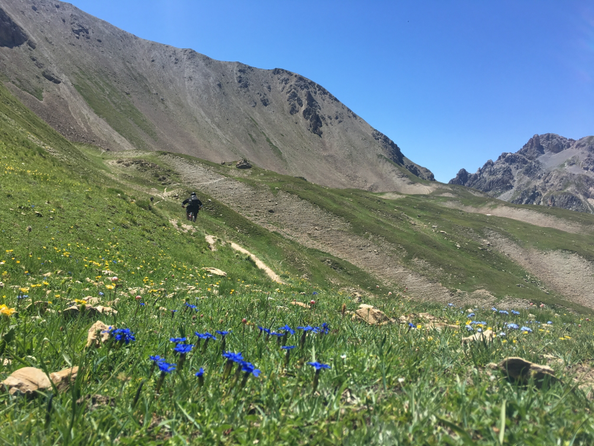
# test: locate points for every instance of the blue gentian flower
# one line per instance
(200, 373)
(166, 367)
(450, 305)
(288, 347)
(178, 339)
(101, 293)
(235, 357)
(223, 333)
(265, 330)
(549, 322)
(502, 333)
(493, 309)
(122, 335)
(249, 368)
(319, 365)
(308, 328)
(469, 327)
(503, 312)
(513, 326)
(183, 349)
(515, 312)
(529, 330)
(206, 335)
(471, 315)
(411, 325)
(156, 358)
(287, 329)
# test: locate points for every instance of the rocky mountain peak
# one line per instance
(548, 170)
(98, 84)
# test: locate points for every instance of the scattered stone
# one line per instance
(521, 370)
(88, 310)
(28, 380)
(215, 271)
(63, 378)
(485, 336)
(372, 316)
(243, 164)
(211, 240)
(98, 334)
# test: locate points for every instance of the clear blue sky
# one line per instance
(453, 82)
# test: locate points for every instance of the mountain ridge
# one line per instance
(549, 170)
(97, 84)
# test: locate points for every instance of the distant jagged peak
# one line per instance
(548, 142)
(549, 170)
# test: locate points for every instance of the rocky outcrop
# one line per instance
(11, 34)
(97, 84)
(549, 170)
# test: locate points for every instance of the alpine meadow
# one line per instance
(357, 302)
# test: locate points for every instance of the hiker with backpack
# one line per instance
(193, 206)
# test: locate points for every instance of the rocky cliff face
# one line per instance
(549, 170)
(97, 84)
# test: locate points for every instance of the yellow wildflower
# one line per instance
(6, 311)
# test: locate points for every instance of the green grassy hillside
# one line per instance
(71, 222)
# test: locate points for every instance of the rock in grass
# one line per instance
(87, 310)
(486, 336)
(215, 271)
(28, 380)
(98, 334)
(300, 304)
(372, 316)
(520, 370)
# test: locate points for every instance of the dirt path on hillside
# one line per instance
(563, 272)
(310, 226)
(525, 215)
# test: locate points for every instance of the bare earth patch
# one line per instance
(526, 215)
(566, 273)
